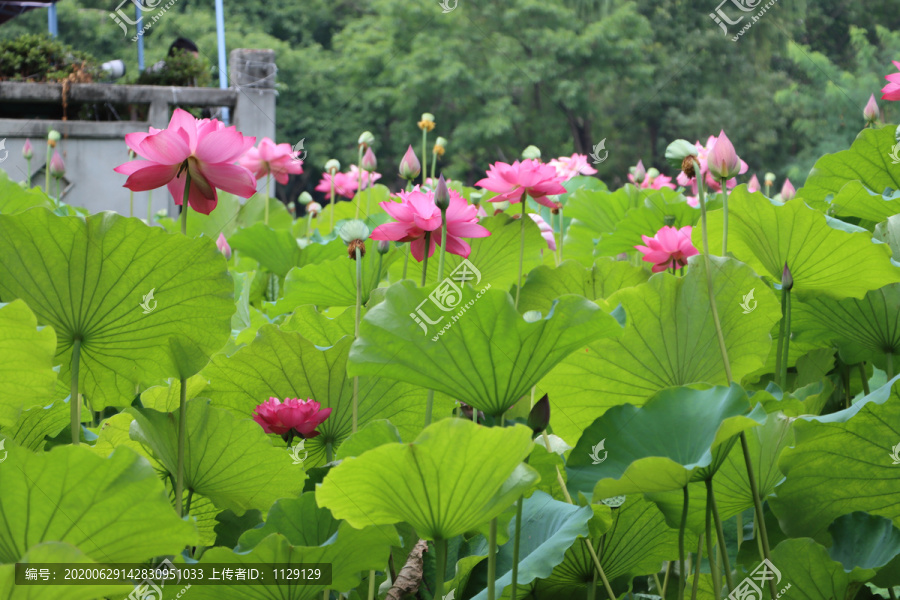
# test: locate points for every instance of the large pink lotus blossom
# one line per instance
(417, 214)
(278, 160)
(302, 416)
(546, 230)
(367, 176)
(653, 179)
(344, 184)
(529, 177)
(712, 184)
(568, 167)
(207, 147)
(892, 90)
(668, 249)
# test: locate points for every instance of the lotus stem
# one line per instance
(786, 307)
(149, 207)
(845, 378)
(130, 203)
(681, 573)
(562, 234)
(492, 560)
(28, 173)
(266, 200)
(359, 170)
(184, 200)
(739, 518)
(74, 402)
(47, 171)
(433, 164)
(187, 504)
(890, 365)
(440, 546)
(371, 585)
(425, 261)
(328, 454)
(697, 567)
(892, 593)
(182, 426)
(779, 352)
(309, 219)
(724, 183)
(516, 539)
(864, 378)
(521, 249)
(369, 199)
(425, 164)
(331, 198)
(443, 244)
(592, 589)
(356, 334)
(713, 568)
(666, 580)
(406, 260)
(757, 504)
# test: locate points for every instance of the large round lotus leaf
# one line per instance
(14, 199)
(144, 303)
(767, 235)
(863, 543)
(632, 450)
(437, 491)
(488, 356)
(669, 340)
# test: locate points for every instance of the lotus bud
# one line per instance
(531, 153)
(787, 280)
(787, 191)
(723, 161)
(532, 316)
(870, 112)
(366, 138)
(222, 245)
(27, 149)
(499, 207)
(475, 197)
(410, 167)
(52, 137)
(440, 146)
(753, 186)
(678, 151)
(313, 209)
(369, 162)
(304, 198)
(770, 178)
(427, 122)
(57, 165)
(383, 246)
(539, 417)
(442, 194)
(332, 166)
(355, 233)
(639, 172)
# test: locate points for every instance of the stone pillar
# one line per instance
(253, 75)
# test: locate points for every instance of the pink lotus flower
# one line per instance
(301, 416)
(27, 149)
(668, 249)
(787, 191)
(344, 184)
(222, 245)
(546, 230)
(753, 186)
(207, 147)
(652, 179)
(57, 165)
(568, 167)
(416, 214)
(712, 184)
(529, 177)
(722, 161)
(367, 176)
(271, 159)
(892, 90)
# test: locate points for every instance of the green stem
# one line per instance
(57, 190)
(74, 402)
(757, 504)
(149, 207)
(779, 352)
(433, 164)
(371, 585)
(309, 219)
(425, 260)
(521, 248)
(187, 504)
(892, 593)
(331, 198)
(184, 201)
(724, 217)
(592, 589)
(562, 234)
(28, 173)
(266, 200)
(130, 203)
(380, 256)
(429, 407)
(443, 243)
(890, 365)
(182, 426)
(47, 171)
(845, 377)
(406, 260)
(424, 159)
(492, 560)
(713, 568)
(328, 454)
(356, 334)
(359, 180)
(697, 567)
(864, 378)
(739, 523)
(516, 540)
(682, 579)
(666, 580)
(369, 199)
(440, 567)
(787, 334)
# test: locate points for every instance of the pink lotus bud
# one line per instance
(222, 245)
(787, 191)
(870, 112)
(639, 172)
(753, 186)
(723, 161)
(27, 149)
(369, 162)
(410, 167)
(57, 166)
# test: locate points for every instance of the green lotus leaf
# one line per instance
(298, 519)
(841, 463)
(602, 211)
(489, 357)
(38, 423)
(285, 365)
(374, 434)
(669, 340)
(807, 571)
(222, 220)
(227, 459)
(27, 378)
(14, 199)
(368, 210)
(659, 208)
(318, 328)
(89, 277)
(274, 249)
(607, 276)
(864, 330)
(630, 450)
(863, 543)
(254, 211)
(868, 161)
(437, 491)
(549, 528)
(100, 505)
(167, 398)
(856, 200)
(767, 235)
(889, 233)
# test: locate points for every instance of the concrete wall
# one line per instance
(91, 150)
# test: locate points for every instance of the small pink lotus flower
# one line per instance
(301, 416)
(207, 147)
(870, 112)
(892, 90)
(368, 177)
(57, 165)
(753, 186)
(653, 179)
(668, 249)
(546, 230)
(530, 177)
(344, 184)
(222, 245)
(787, 191)
(410, 167)
(722, 161)
(462, 222)
(568, 167)
(271, 159)
(27, 149)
